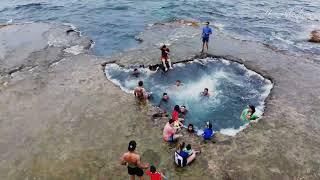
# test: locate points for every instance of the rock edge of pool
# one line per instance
(60, 118)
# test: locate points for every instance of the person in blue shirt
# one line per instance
(206, 32)
(208, 132)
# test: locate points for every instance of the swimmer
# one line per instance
(178, 83)
(205, 92)
(165, 57)
(140, 93)
(208, 133)
(165, 104)
(183, 112)
(170, 133)
(136, 73)
(132, 160)
(248, 114)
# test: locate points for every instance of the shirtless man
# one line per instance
(140, 92)
(132, 160)
(205, 92)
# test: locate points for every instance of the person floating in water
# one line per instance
(248, 114)
(169, 132)
(136, 73)
(178, 83)
(208, 133)
(206, 32)
(140, 93)
(132, 160)
(165, 52)
(205, 92)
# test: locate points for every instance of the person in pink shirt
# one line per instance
(169, 132)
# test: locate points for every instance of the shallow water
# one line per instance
(113, 24)
(231, 87)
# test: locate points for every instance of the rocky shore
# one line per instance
(60, 118)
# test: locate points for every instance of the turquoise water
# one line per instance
(231, 85)
(113, 24)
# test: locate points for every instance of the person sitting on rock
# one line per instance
(248, 114)
(170, 133)
(182, 158)
(165, 52)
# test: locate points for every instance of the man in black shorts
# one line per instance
(132, 160)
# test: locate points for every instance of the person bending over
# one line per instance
(248, 114)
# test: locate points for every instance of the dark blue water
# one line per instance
(113, 24)
(231, 85)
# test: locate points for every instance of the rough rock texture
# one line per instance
(62, 119)
(315, 36)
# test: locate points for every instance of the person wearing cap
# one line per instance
(132, 160)
(206, 32)
(165, 57)
(208, 132)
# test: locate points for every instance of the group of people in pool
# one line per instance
(184, 154)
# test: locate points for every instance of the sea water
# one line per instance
(113, 24)
(231, 86)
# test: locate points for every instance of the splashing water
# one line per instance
(231, 86)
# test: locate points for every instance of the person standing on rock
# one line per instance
(132, 160)
(165, 52)
(206, 32)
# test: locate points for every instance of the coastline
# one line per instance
(62, 118)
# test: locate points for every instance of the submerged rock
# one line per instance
(315, 36)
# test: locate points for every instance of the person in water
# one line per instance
(181, 157)
(153, 174)
(183, 112)
(136, 73)
(208, 132)
(165, 52)
(205, 92)
(140, 93)
(178, 83)
(170, 133)
(165, 104)
(206, 32)
(133, 162)
(248, 114)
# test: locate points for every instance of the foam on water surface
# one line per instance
(231, 85)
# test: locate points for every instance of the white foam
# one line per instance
(74, 50)
(233, 131)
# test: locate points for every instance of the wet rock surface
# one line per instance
(62, 119)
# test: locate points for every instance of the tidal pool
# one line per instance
(232, 87)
